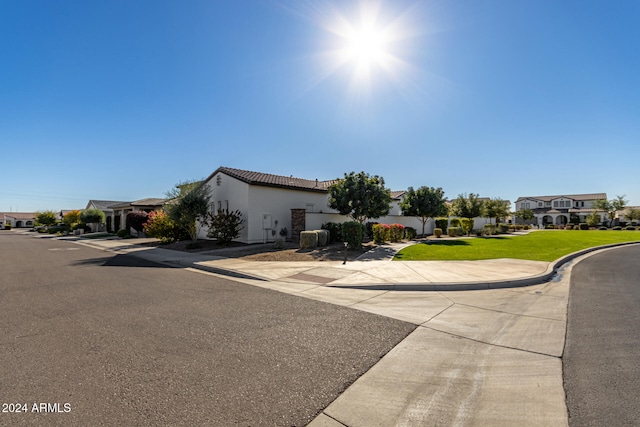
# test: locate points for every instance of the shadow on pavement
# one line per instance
(121, 261)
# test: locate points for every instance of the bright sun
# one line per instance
(363, 41)
(366, 43)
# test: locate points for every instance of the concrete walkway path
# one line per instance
(488, 356)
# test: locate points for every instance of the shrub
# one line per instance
(489, 229)
(57, 229)
(477, 232)
(370, 226)
(442, 224)
(396, 231)
(455, 231)
(160, 226)
(224, 226)
(568, 227)
(550, 227)
(323, 237)
(193, 245)
(617, 228)
(583, 226)
(466, 224)
(353, 232)
(410, 233)
(381, 233)
(308, 239)
(503, 228)
(335, 231)
(122, 233)
(437, 232)
(7, 226)
(455, 222)
(602, 228)
(629, 227)
(136, 220)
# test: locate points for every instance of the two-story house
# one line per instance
(561, 210)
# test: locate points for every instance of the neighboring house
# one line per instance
(620, 216)
(560, 210)
(117, 220)
(270, 203)
(116, 211)
(17, 219)
(105, 206)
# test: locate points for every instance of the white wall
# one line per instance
(278, 203)
(232, 192)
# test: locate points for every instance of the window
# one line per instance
(555, 204)
(539, 204)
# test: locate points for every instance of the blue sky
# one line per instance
(121, 100)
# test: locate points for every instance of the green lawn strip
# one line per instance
(535, 246)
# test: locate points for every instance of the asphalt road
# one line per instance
(602, 351)
(103, 339)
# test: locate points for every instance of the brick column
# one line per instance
(298, 223)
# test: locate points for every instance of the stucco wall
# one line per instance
(278, 202)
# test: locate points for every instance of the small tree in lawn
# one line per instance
(224, 225)
(425, 202)
(495, 208)
(189, 204)
(45, 218)
(71, 218)
(610, 206)
(90, 216)
(360, 196)
(136, 220)
(466, 206)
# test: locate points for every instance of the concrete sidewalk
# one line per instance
(489, 356)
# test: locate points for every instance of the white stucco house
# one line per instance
(17, 219)
(269, 203)
(562, 209)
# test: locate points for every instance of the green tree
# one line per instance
(72, 218)
(425, 202)
(524, 214)
(632, 214)
(89, 216)
(610, 206)
(360, 196)
(466, 206)
(189, 204)
(495, 208)
(46, 218)
(224, 225)
(593, 219)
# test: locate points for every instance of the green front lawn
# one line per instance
(535, 246)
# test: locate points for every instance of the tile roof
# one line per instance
(18, 215)
(104, 204)
(270, 180)
(281, 181)
(581, 197)
(151, 201)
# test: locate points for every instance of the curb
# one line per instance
(501, 284)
